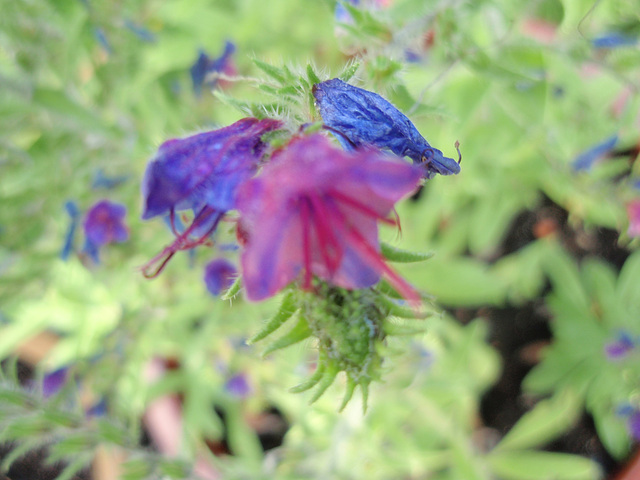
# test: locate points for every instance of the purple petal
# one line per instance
(633, 425)
(53, 382)
(219, 274)
(238, 386)
(204, 169)
(586, 159)
(104, 223)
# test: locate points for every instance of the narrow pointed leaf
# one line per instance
(398, 255)
(287, 309)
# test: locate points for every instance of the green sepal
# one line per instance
(312, 380)
(364, 386)
(327, 379)
(287, 308)
(298, 333)
(398, 311)
(396, 329)
(348, 394)
(233, 290)
(349, 71)
(311, 75)
(398, 255)
(274, 72)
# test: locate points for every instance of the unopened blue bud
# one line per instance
(361, 118)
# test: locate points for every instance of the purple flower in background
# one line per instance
(74, 217)
(205, 65)
(314, 211)
(586, 159)
(633, 425)
(202, 173)
(219, 274)
(363, 118)
(104, 224)
(614, 40)
(342, 14)
(100, 180)
(238, 386)
(53, 382)
(633, 212)
(142, 33)
(619, 348)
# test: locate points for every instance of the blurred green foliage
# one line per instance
(519, 84)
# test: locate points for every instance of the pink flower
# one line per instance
(633, 211)
(314, 211)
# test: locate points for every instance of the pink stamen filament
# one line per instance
(305, 213)
(182, 241)
(370, 212)
(373, 258)
(329, 246)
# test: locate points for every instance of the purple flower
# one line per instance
(205, 65)
(104, 224)
(614, 40)
(238, 386)
(586, 159)
(633, 425)
(314, 211)
(633, 212)
(363, 118)
(53, 382)
(201, 172)
(619, 348)
(219, 275)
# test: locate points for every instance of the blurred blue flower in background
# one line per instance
(586, 159)
(206, 65)
(104, 224)
(219, 274)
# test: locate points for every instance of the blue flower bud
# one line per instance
(361, 118)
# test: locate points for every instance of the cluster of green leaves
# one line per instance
(591, 307)
(29, 422)
(349, 328)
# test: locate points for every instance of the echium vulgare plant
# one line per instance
(307, 220)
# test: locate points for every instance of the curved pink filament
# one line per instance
(330, 248)
(373, 258)
(182, 241)
(361, 207)
(305, 213)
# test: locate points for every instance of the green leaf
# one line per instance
(612, 432)
(327, 379)
(312, 380)
(311, 75)
(349, 71)
(274, 72)
(298, 333)
(394, 254)
(287, 308)
(628, 284)
(233, 289)
(545, 422)
(529, 465)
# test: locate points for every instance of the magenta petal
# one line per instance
(314, 211)
(272, 261)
